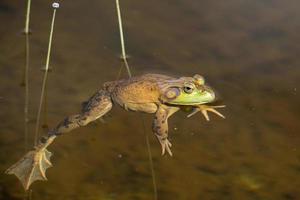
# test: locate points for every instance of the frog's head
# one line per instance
(186, 91)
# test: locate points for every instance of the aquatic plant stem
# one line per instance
(26, 30)
(150, 160)
(26, 82)
(55, 6)
(124, 58)
(45, 109)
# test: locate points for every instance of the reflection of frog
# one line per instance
(150, 93)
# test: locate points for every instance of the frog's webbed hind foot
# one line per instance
(205, 108)
(32, 167)
(165, 145)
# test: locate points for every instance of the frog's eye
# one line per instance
(188, 88)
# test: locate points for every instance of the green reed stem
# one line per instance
(26, 30)
(124, 56)
(55, 6)
(45, 110)
(26, 82)
(150, 160)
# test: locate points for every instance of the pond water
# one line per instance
(247, 50)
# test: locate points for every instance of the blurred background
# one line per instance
(247, 50)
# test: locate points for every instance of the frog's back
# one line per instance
(138, 93)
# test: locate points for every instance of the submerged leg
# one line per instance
(160, 127)
(34, 164)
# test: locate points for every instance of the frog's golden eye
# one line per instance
(188, 88)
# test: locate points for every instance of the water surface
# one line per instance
(247, 50)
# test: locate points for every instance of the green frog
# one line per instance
(150, 93)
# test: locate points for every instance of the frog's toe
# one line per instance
(165, 145)
(213, 110)
(205, 108)
(168, 147)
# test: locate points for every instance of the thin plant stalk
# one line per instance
(55, 6)
(36, 136)
(45, 109)
(150, 160)
(28, 195)
(26, 82)
(26, 30)
(124, 57)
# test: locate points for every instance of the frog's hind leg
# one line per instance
(160, 127)
(34, 164)
(97, 106)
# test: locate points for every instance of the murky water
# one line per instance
(248, 51)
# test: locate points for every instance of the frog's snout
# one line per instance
(211, 94)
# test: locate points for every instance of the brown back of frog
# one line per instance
(139, 89)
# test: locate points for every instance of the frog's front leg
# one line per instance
(160, 126)
(34, 164)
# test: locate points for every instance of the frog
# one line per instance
(157, 94)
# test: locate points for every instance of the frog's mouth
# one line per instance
(197, 97)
